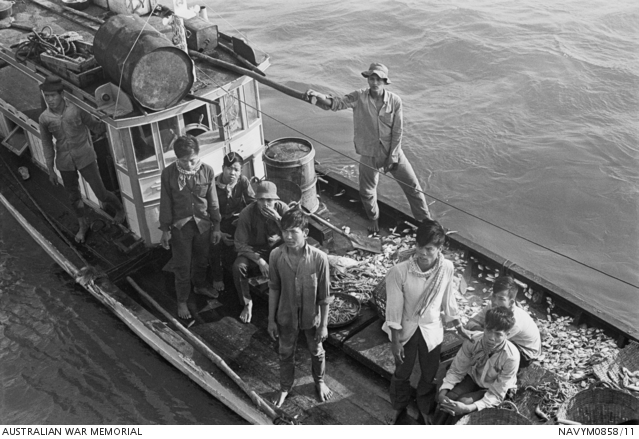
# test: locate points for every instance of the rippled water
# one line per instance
(521, 113)
(65, 359)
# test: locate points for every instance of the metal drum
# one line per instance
(293, 159)
(156, 73)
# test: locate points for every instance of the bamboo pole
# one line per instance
(208, 352)
(242, 71)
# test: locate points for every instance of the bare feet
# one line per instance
(206, 291)
(218, 285)
(279, 399)
(119, 216)
(247, 313)
(395, 418)
(183, 311)
(373, 226)
(323, 392)
(80, 237)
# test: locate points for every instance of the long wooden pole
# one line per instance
(242, 71)
(202, 347)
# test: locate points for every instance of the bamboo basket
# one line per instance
(610, 371)
(495, 416)
(600, 406)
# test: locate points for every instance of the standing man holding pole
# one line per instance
(379, 126)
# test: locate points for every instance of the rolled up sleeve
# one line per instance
(397, 131)
(213, 206)
(323, 282)
(394, 299)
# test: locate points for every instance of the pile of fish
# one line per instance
(568, 351)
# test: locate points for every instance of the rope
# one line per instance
(117, 97)
(431, 196)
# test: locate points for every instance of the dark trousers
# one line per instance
(190, 250)
(243, 269)
(91, 174)
(288, 342)
(221, 254)
(400, 382)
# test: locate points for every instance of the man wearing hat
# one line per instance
(73, 151)
(378, 123)
(258, 232)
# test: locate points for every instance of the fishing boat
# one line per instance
(124, 268)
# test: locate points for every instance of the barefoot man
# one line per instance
(73, 151)
(189, 220)
(299, 297)
(379, 126)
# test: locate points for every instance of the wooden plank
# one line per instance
(367, 315)
(372, 348)
(253, 355)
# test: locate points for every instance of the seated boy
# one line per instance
(299, 296)
(483, 370)
(525, 334)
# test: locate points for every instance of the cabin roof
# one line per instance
(38, 15)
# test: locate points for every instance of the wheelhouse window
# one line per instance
(250, 99)
(197, 121)
(120, 138)
(169, 131)
(144, 148)
(232, 112)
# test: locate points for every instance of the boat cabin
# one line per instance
(139, 145)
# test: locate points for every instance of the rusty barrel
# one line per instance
(143, 62)
(293, 159)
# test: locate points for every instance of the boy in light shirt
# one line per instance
(524, 334)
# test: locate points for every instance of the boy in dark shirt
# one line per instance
(299, 298)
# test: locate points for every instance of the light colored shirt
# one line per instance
(302, 289)
(404, 288)
(197, 200)
(497, 374)
(73, 149)
(377, 133)
(525, 333)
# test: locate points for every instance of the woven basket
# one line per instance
(600, 407)
(611, 370)
(495, 416)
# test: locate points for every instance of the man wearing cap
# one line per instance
(378, 123)
(258, 232)
(73, 151)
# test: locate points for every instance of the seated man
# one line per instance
(258, 232)
(483, 370)
(525, 334)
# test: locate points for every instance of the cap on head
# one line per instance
(52, 83)
(378, 69)
(266, 190)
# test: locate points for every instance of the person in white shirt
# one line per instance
(419, 297)
(483, 370)
(525, 334)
